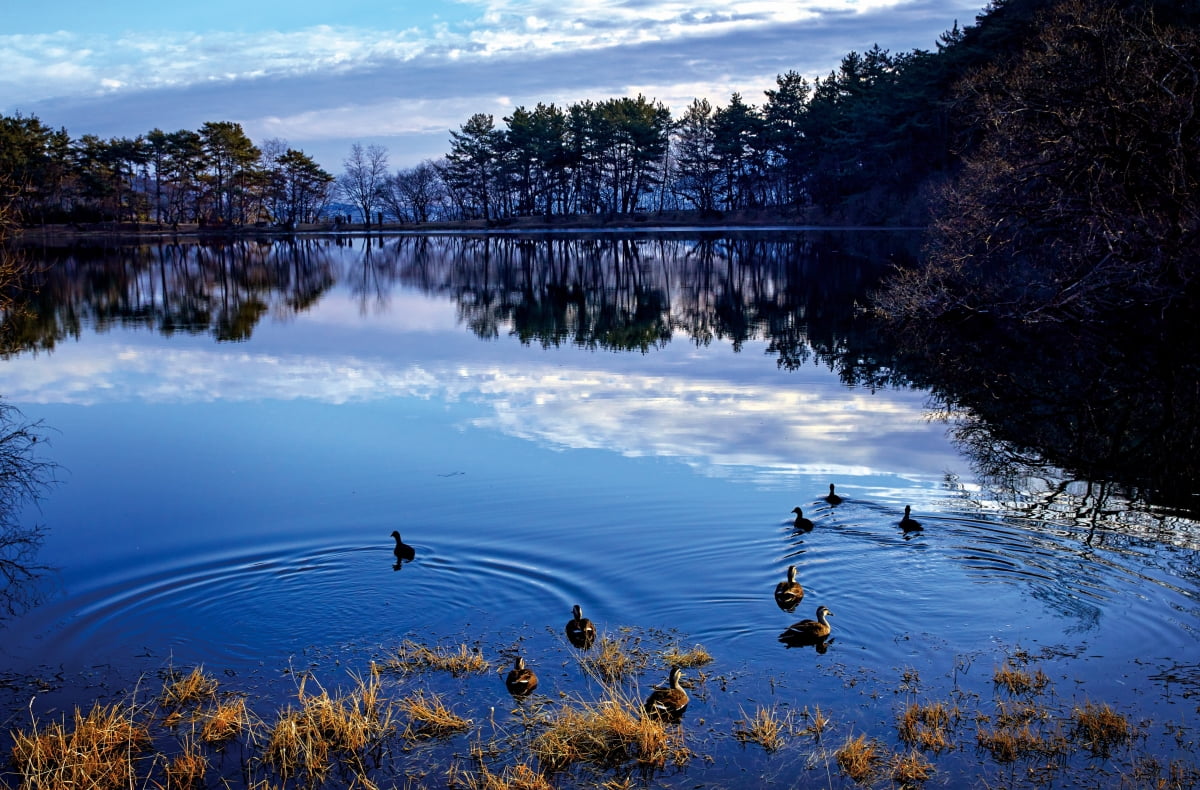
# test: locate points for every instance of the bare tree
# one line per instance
(23, 479)
(365, 178)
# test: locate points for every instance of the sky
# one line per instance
(323, 76)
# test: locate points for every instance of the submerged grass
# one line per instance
(414, 657)
(861, 758)
(429, 717)
(615, 658)
(1101, 728)
(928, 726)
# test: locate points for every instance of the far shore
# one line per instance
(109, 232)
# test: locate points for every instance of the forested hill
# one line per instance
(869, 143)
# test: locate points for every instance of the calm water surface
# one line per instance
(625, 425)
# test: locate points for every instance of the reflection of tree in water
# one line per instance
(1073, 422)
(628, 293)
(23, 480)
(223, 289)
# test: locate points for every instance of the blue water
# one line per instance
(230, 504)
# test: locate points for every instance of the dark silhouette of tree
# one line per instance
(365, 178)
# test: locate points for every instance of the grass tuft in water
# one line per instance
(515, 777)
(181, 691)
(101, 751)
(429, 717)
(1101, 728)
(1018, 681)
(615, 658)
(414, 657)
(928, 726)
(687, 659)
(186, 770)
(611, 732)
(860, 758)
(766, 728)
(224, 722)
(911, 769)
(306, 741)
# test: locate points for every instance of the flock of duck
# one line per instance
(670, 701)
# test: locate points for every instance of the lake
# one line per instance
(620, 421)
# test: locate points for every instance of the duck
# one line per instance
(810, 629)
(580, 631)
(833, 498)
(801, 522)
(669, 702)
(403, 551)
(520, 680)
(908, 523)
(789, 593)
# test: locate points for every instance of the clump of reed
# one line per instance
(615, 658)
(414, 657)
(928, 726)
(861, 758)
(224, 721)
(307, 740)
(1101, 728)
(186, 770)
(429, 717)
(610, 732)
(766, 728)
(181, 691)
(686, 659)
(515, 777)
(1017, 681)
(911, 769)
(1020, 732)
(818, 722)
(100, 751)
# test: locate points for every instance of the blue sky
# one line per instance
(322, 76)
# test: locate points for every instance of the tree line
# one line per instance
(856, 144)
(873, 141)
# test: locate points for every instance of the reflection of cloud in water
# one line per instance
(773, 427)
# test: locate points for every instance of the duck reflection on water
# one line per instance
(809, 633)
(788, 594)
(580, 631)
(404, 552)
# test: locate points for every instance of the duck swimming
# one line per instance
(580, 631)
(403, 551)
(908, 523)
(520, 680)
(810, 629)
(801, 522)
(833, 498)
(668, 703)
(789, 593)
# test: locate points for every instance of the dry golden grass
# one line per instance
(1015, 680)
(615, 658)
(608, 733)
(910, 769)
(928, 726)
(428, 717)
(186, 770)
(516, 777)
(99, 752)
(1015, 741)
(766, 728)
(306, 740)
(224, 722)
(818, 722)
(860, 758)
(1101, 728)
(414, 657)
(193, 688)
(686, 659)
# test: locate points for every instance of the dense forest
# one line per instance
(866, 143)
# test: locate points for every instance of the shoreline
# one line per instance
(649, 222)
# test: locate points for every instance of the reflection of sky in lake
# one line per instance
(743, 417)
